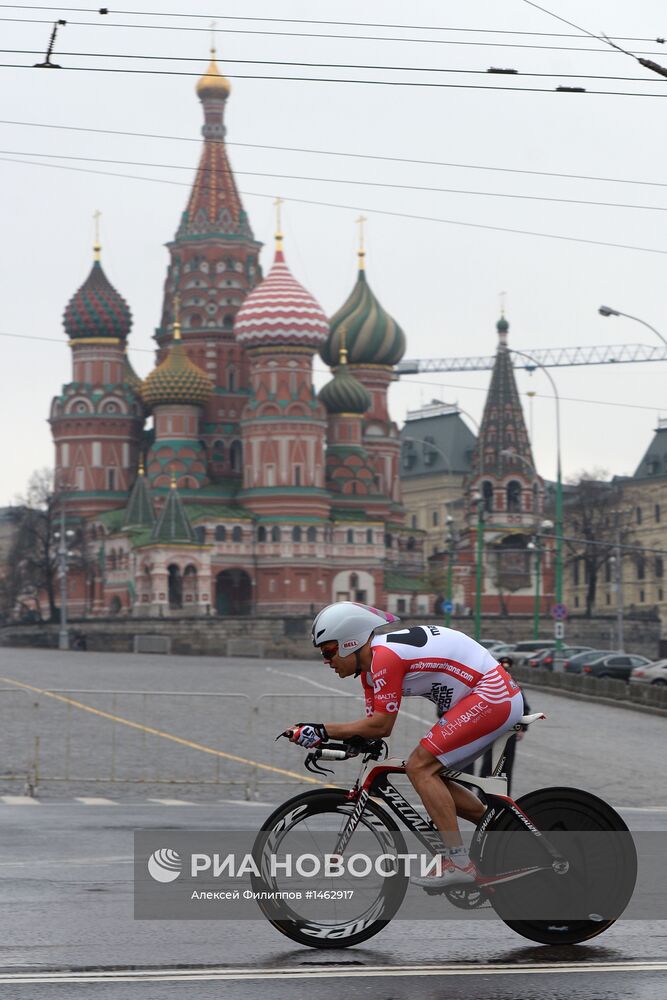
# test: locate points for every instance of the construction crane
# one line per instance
(550, 357)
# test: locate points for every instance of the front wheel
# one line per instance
(329, 910)
(582, 901)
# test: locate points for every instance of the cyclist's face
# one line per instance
(343, 665)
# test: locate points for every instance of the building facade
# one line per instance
(249, 491)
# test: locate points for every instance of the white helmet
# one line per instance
(348, 624)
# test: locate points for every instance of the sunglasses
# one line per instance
(328, 654)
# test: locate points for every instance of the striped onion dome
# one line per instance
(97, 310)
(344, 393)
(371, 335)
(279, 311)
(176, 379)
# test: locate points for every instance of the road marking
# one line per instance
(313, 971)
(173, 802)
(18, 800)
(95, 800)
(191, 744)
(246, 802)
(40, 862)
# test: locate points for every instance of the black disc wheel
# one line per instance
(562, 902)
(320, 908)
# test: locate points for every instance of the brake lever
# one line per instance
(312, 758)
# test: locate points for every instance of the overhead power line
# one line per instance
(343, 153)
(355, 208)
(341, 180)
(430, 85)
(310, 20)
(311, 34)
(62, 342)
(326, 65)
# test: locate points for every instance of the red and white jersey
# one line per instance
(432, 662)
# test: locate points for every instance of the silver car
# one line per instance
(651, 673)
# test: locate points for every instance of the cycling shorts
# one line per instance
(466, 730)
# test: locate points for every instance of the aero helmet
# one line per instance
(348, 624)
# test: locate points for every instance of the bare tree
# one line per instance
(595, 522)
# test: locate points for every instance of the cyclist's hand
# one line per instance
(307, 734)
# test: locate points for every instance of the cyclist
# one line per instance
(476, 698)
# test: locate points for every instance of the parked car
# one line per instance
(491, 643)
(574, 664)
(505, 650)
(545, 658)
(616, 665)
(651, 673)
(523, 651)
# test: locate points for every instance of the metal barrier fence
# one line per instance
(91, 737)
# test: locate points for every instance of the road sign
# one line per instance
(448, 606)
(559, 630)
(559, 612)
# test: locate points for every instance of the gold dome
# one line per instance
(213, 83)
(176, 379)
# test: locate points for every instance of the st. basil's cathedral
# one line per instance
(251, 492)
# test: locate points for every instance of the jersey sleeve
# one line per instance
(387, 671)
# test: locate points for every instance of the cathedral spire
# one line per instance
(503, 445)
(214, 206)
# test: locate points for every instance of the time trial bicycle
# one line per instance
(559, 857)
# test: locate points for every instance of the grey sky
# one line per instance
(441, 282)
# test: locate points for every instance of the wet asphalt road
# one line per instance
(65, 866)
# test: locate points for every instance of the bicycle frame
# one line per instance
(373, 780)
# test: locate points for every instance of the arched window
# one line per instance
(659, 567)
(237, 533)
(354, 581)
(228, 323)
(220, 533)
(275, 533)
(231, 380)
(195, 320)
(411, 543)
(487, 495)
(369, 536)
(312, 534)
(514, 497)
(261, 533)
(218, 452)
(236, 456)
(296, 533)
(200, 534)
(388, 541)
(350, 536)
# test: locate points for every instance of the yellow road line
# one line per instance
(160, 732)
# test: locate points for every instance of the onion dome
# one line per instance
(97, 310)
(345, 393)
(502, 326)
(177, 379)
(130, 377)
(279, 311)
(372, 336)
(213, 83)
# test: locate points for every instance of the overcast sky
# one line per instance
(442, 282)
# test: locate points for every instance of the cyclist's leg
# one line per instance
(423, 770)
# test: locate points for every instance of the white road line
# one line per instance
(246, 802)
(308, 971)
(174, 802)
(18, 800)
(40, 862)
(95, 800)
(345, 694)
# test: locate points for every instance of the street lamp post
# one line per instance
(478, 500)
(62, 536)
(536, 546)
(608, 311)
(559, 489)
(451, 540)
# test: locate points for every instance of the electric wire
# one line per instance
(223, 172)
(301, 20)
(430, 85)
(338, 152)
(354, 208)
(326, 65)
(302, 34)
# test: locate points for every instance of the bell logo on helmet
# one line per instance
(349, 643)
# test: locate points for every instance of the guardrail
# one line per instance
(649, 695)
